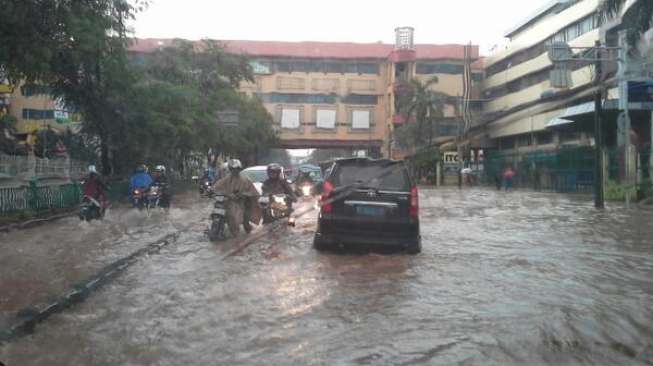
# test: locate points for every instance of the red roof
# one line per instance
(320, 50)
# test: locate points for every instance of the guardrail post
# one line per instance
(32, 194)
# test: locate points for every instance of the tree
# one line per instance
(74, 46)
(40, 38)
(427, 106)
(170, 112)
(639, 16)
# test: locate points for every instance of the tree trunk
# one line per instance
(104, 157)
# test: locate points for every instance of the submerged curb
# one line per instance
(35, 222)
(81, 291)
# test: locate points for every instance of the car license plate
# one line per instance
(220, 211)
(370, 211)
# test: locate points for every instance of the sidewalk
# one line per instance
(40, 264)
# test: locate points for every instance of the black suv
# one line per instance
(368, 201)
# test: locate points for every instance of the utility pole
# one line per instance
(623, 106)
(599, 195)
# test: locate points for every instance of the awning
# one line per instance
(570, 114)
(584, 111)
(558, 122)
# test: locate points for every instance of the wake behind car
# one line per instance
(367, 201)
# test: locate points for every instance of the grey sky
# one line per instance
(482, 22)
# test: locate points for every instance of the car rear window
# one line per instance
(390, 176)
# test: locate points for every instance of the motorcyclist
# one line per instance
(209, 175)
(275, 184)
(160, 178)
(95, 188)
(240, 191)
(140, 179)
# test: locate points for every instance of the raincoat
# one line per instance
(139, 180)
(247, 201)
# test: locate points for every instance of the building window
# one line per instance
(38, 114)
(360, 119)
(326, 118)
(439, 68)
(507, 143)
(544, 138)
(566, 34)
(290, 118)
(569, 136)
(361, 99)
(287, 98)
(261, 67)
(525, 140)
(368, 68)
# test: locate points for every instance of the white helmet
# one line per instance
(92, 169)
(235, 164)
(160, 168)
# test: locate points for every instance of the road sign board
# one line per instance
(228, 117)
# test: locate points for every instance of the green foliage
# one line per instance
(7, 121)
(170, 109)
(427, 106)
(155, 108)
(614, 191)
(639, 17)
(46, 40)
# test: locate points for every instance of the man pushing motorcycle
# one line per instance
(242, 197)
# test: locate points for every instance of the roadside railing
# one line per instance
(34, 198)
(25, 168)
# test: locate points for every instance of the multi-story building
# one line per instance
(342, 95)
(34, 108)
(523, 114)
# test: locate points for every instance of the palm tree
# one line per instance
(426, 105)
(639, 16)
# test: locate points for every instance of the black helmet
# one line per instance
(274, 171)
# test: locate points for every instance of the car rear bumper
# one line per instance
(334, 234)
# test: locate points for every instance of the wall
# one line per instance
(338, 85)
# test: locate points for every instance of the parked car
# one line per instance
(367, 201)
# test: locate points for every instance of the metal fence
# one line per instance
(570, 170)
(563, 170)
(34, 198)
(24, 168)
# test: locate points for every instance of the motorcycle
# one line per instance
(139, 198)
(218, 217)
(275, 207)
(155, 196)
(90, 209)
(205, 187)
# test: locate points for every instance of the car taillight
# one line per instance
(327, 188)
(414, 203)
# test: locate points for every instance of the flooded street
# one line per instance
(504, 278)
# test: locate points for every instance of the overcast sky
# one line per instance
(482, 22)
